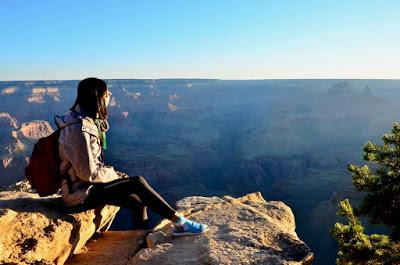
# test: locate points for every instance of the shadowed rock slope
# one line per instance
(110, 248)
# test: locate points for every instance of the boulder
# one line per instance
(246, 230)
(36, 230)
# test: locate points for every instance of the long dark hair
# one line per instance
(91, 97)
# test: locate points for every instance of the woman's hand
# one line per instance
(122, 175)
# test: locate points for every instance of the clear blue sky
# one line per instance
(71, 39)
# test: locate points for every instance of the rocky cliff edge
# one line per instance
(36, 230)
(245, 230)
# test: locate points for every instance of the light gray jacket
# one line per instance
(80, 153)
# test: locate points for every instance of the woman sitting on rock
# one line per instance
(89, 182)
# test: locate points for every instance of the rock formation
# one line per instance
(11, 170)
(39, 99)
(172, 107)
(38, 230)
(8, 90)
(35, 129)
(125, 114)
(113, 102)
(9, 142)
(7, 120)
(246, 230)
(16, 144)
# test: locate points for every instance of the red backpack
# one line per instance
(43, 170)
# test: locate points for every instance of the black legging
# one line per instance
(133, 193)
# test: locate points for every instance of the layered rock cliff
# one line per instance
(16, 144)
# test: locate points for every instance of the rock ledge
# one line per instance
(36, 230)
(246, 230)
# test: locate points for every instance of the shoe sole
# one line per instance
(189, 233)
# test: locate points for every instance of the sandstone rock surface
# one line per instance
(36, 230)
(8, 90)
(35, 129)
(246, 230)
(111, 248)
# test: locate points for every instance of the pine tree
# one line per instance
(381, 205)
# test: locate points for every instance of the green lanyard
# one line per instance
(102, 135)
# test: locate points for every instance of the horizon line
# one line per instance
(201, 78)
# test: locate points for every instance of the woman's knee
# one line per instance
(139, 180)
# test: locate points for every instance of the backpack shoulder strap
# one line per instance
(65, 175)
(55, 121)
(59, 117)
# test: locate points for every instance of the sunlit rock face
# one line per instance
(40, 231)
(8, 90)
(54, 92)
(35, 129)
(39, 94)
(246, 230)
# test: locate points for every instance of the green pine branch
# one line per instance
(381, 204)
